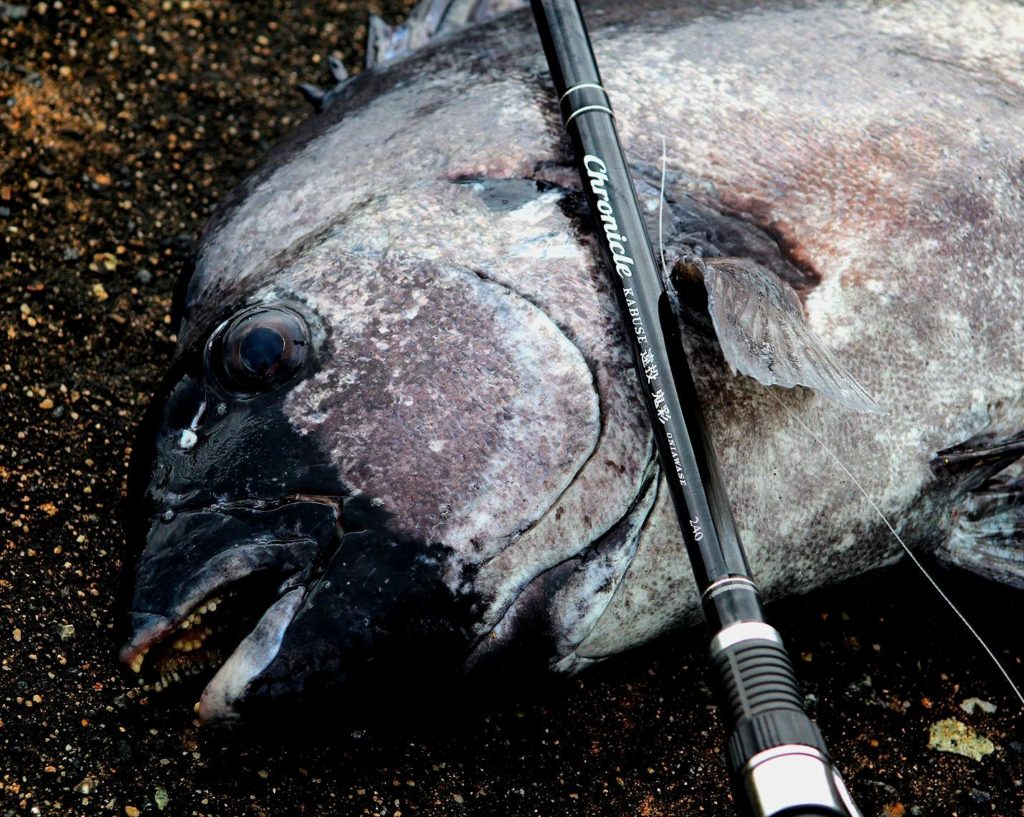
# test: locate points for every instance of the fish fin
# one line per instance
(427, 20)
(313, 94)
(318, 97)
(987, 536)
(383, 42)
(761, 328)
(752, 282)
(984, 455)
(337, 68)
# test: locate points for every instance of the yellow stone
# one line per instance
(958, 738)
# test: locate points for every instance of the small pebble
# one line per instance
(13, 11)
(972, 705)
(86, 786)
(958, 738)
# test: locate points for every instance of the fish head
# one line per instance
(321, 474)
(231, 506)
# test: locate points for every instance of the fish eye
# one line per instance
(261, 348)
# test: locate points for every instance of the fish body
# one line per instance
(402, 401)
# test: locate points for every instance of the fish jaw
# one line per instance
(379, 610)
(250, 658)
(240, 558)
(325, 610)
(320, 593)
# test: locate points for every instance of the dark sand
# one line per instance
(121, 125)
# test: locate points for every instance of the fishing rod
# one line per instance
(776, 755)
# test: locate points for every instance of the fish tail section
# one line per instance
(987, 535)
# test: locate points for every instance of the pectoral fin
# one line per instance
(763, 334)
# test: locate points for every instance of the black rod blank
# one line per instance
(776, 755)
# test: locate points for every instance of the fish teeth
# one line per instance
(136, 664)
(207, 606)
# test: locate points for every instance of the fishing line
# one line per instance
(906, 549)
(913, 558)
(661, 209)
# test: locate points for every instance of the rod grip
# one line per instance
(776, 754)
(762, 700)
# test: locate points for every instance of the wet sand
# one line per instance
(120, 126)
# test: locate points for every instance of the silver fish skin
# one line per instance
(460, 457)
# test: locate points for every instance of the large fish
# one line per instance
(401, 435)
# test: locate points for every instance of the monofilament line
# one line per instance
(913, 558)
(661, 210)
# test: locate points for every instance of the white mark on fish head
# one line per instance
(189, 436)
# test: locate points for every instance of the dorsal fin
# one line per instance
(429, 19)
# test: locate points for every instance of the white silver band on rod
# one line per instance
(586, 97)
(580, 87)
(794, 777)
(731, 583)
(586, 109)
(744, 631)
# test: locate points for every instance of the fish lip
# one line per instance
(156, 628)
(252, 655)
(219, 572)
(225, 569)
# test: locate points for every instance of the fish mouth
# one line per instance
(230, 620)
(233, 633)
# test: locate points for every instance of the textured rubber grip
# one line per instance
(763, 703)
